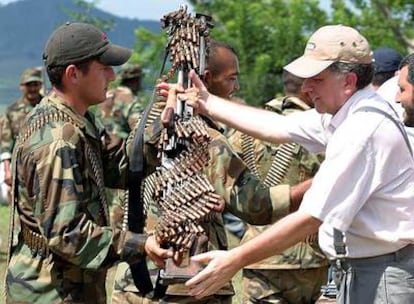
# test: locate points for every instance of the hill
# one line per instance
(25, 26)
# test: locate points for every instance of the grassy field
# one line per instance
(4, 221)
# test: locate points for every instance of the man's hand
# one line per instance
(156, 253)
(169, 93)
(199, 104)
(220, 269)
(195, 96)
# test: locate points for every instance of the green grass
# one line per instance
(4, 223)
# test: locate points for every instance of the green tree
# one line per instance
(83, 14)
(149, 52)
(266, 34)
(269, 33)
(383, 22)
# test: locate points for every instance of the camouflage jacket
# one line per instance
(12, 124)
(130, 105)
(65, 244)
(244, 195)
(114, 122)
(302, 165)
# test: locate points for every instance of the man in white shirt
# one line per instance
(364, 189)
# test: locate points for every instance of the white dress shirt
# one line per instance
(365, 186)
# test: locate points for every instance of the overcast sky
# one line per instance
(141, 9)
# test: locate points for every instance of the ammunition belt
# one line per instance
(280, 164)
(35, 241)
(154, 114)
(56, 115)
(248, 156)
(180, 189)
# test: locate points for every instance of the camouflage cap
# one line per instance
(129, 71)
(75, 42)
(31, 75)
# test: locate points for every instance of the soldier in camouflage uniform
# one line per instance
(30, 85)
(221, 77)
(297, 274)
(129, 96)
(118, 114)
(230, 177)
(61, 166)
(124, 104)
(110, 117)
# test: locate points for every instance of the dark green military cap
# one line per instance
(75, 42)
(130, 71)
(31, 75)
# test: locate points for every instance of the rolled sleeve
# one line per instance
(280, 197)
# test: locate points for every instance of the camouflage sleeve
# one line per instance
(234, 139)
(133, 113)
(68, 209)
(242, 191)
(245, 196)
(7, 141)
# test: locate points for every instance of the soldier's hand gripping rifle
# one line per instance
(179, 188)
(183, 57)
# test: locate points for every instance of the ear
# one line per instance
(207, 78)
(350, 83)
(72, 73)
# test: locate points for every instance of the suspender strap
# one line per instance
(338, 236)
(397, 123)
(339, 243)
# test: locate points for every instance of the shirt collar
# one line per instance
(350, 105)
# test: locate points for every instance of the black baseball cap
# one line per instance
(386, 59)
(75, 42)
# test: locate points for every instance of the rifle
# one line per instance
(135, 217)
(183, 194)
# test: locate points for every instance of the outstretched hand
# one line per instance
(199, 104)
(195, 96)
(220, 269)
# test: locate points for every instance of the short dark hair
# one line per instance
(364, 72)
(409, 62)
(381, 77)
(212, 62)
(55, 73)
(291, 83)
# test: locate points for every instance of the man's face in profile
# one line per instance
(406, 97)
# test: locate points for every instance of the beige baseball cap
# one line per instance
(329, 44)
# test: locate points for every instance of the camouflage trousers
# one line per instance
(125, 292)
(283, 286)
(128, 297)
